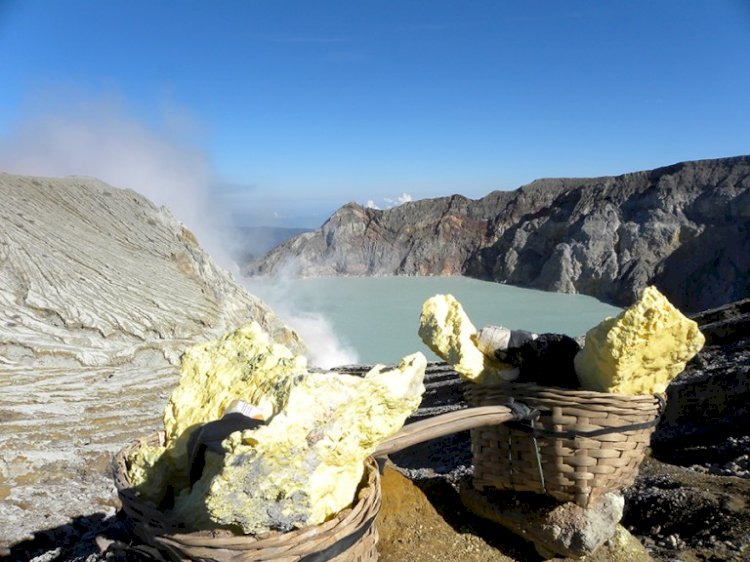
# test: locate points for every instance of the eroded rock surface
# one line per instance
(100, 292)
(684, 228)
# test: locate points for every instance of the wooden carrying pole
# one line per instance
(442, 425)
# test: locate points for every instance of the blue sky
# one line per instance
(281, 111)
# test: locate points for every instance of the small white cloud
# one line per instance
(276, 215)
(371, 205)
(400, 200)
(404, 198)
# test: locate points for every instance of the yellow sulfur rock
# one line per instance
(641, 350)
(245, 364)
(149, 473)
(446, 329)
(306, 464)
(300, 468)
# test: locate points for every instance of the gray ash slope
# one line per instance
(685, 228)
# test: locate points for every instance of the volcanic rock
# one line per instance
(554, 528)
(684, 228)
(710, 400)
(546, 360)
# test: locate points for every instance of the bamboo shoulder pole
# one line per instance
(444, 424)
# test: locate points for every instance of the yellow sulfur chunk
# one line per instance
(446, 329)
(306, 464)
(189, 505)
(148, 473)
(641, 350)
(300, 468)
(245, 365)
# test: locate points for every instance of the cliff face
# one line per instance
(100, 292)
(684, 228)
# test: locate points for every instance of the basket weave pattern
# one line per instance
(350, 536)
(573, 467)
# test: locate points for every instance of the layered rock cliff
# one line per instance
(100, 292)
(684, 228)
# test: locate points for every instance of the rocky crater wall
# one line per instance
(684, 228)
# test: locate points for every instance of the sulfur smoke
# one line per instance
(325, 348)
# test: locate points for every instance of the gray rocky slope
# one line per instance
(100, 292)
(685, 228)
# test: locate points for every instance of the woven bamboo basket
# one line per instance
(350, 536)
(580, 445)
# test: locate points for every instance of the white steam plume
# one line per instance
(98, 138)
(401, 199)
(389, 202)
(325, 348)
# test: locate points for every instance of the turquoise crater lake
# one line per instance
(375, 319)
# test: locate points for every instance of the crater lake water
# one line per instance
(345, 320)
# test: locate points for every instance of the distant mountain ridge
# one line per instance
(684, 227)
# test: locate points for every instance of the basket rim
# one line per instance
(545, 397)
(569, 392)
(361, 513)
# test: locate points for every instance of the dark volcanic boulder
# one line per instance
(710, 400)
(546, 360)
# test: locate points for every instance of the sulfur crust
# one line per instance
(306, 464)
(245, 364)
(189, 505)
(300, 468)
(641, 350)
(147, 472)
(447, 330)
